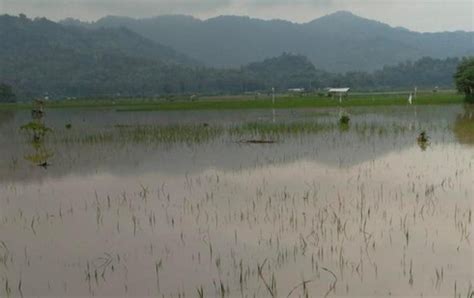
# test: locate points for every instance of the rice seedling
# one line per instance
(175, 208)
(344, 120)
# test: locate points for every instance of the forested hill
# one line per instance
(23, 36)
(296, 71)
(40, 57)
(337, 43)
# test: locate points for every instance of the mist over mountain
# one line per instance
(337, 42)
(20, 34)
(40, 57)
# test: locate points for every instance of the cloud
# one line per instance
(91, 9)
(420, 15)
(270, 3)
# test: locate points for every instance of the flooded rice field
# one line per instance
(285, 203)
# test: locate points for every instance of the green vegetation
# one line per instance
(190, 134)
(38, 131)
(273, 131)
(344, 120)
(295, 102)
(423, 140)
(43, 58)
(258, 132)
(465, 78)
(245, 102)
(36, 128)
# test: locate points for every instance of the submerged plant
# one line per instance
(344, 120)
(423, 140)
(38, 131)
(36, 128)
(423, 137)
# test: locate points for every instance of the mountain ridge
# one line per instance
(339, 13)
(22, 33)
(40, 57)
(337, 42)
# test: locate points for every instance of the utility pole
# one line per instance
(273, 95)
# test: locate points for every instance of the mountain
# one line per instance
(40, 56)
(337, 42)
(286, 71)
(23, 34)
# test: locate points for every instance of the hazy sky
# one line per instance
(418, 15)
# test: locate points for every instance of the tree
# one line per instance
(6, 93)
(464, 78)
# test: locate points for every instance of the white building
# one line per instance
(339, 92)
(296, 90)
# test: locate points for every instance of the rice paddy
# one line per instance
(249, 102)
(254, 203)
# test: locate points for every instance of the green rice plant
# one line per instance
(344, 120)
(36, 128)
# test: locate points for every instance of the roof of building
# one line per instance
(339, 90)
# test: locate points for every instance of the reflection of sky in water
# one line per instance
(332, 148)
(283, 202)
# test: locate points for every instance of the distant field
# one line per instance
(252, 102)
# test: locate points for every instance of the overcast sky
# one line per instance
(418, 15)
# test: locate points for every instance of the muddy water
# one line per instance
(363, 210)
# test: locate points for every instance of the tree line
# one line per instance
(43, 58)
(106, 75)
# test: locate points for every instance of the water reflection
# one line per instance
(464, 126)
(6, 117)
(123, 215)
(38, 131)
(423, 140)
(113, 143)
(41, 154)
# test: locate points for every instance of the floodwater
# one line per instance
(179, 204)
